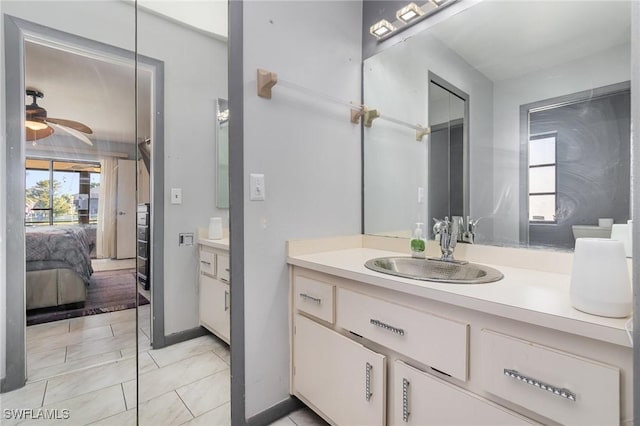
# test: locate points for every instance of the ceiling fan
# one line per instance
(39, 126)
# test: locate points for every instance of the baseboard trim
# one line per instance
(183, 336)
(275, 412)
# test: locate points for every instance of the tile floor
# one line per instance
(87, 365)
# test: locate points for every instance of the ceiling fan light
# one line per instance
(35, 125)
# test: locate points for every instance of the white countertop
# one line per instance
(222, 244)
(535, 297)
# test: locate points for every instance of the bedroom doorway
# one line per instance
(108, 337)
(80, 287)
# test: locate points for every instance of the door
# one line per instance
(126, 210)
(340, 377)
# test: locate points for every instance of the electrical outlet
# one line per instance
(258, 191)
(185, 239)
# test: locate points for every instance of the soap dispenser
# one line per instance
(418, 242)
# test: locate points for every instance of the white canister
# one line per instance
(600, 283)
(215, 228)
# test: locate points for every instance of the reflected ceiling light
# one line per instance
(437, 3)
(409, 13)
(381, 28)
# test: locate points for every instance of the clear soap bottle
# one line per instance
(418, 242)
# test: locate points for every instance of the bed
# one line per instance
(58, 265)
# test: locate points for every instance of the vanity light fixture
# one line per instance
(381, 28)
(407, 16)
(409, 13)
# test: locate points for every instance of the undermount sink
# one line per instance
(435, 270)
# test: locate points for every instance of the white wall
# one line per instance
(195, 75)
(607, 67)
(309, 153)
(396, 83)
(195, 71)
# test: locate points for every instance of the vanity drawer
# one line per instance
(207, 262)
(223, 268)
(435, 341)
(555, 384)
(315, 298)
(420, 399)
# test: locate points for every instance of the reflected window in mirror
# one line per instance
(542, 178)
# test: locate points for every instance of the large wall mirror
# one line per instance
(548, 119)
(106, 113)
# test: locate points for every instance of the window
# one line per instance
(542, 178)
(61, 192)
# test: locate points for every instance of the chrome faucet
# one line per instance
(449, 232)
(466, 228)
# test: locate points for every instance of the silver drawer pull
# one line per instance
(367, 391)
(226, 301)
(405, 400)
(224, 280)
(205, 262)
(564, 393)
(387, 327)
(313, 299)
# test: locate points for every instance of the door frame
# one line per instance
(16, 32)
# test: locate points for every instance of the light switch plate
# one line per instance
(258, 191)
(176, 195)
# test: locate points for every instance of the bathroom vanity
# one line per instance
(214, 286)
(370, 348)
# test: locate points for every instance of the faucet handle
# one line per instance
(440, 225)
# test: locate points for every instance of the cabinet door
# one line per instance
(214, 306)
(339, 377)
(422, 399)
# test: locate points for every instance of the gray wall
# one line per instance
(593, 163)
(309, 153)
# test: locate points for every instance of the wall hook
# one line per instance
(266, 80)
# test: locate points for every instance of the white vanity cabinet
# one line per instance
(215, 303)
(431, 362)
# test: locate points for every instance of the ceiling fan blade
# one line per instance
(71, 124)
(72, 132)
(34, 135)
